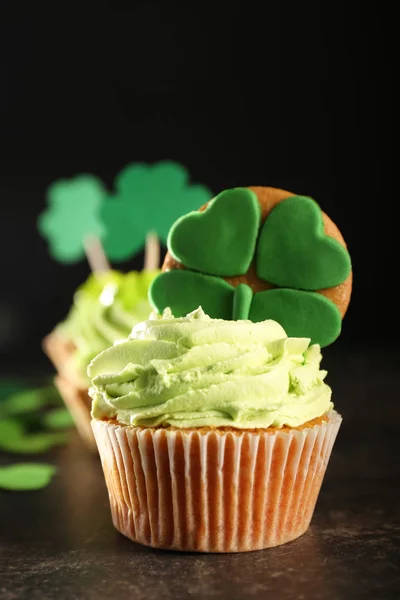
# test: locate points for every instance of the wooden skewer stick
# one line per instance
(152, 252)
(95, 254)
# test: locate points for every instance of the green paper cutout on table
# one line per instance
(221, 239)
(301, 314)
(9, 387)
(58, 418)
(294, 251)
(147, 198)
(186, 290)
(28, 400)
(14, 439)
(10, 429)
(24, 418)
(26, 476)
(72, 215)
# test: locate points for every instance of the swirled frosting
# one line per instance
(105, 309)
(197, 371)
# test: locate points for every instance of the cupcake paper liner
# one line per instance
(78, 402)
(59, 352)
(75, 397)
(211, 490)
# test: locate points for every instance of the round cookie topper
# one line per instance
(259, 253)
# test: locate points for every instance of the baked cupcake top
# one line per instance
(196, 371)
(105, 309)
(259, 253)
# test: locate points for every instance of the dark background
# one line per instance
(295, 95)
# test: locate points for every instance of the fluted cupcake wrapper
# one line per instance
(210, 490)
(77, 400)
(76, 397)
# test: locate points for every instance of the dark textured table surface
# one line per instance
(59, 543)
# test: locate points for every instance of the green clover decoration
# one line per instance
(144, 198)
(290, 250)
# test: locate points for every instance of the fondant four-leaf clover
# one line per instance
(147, 198)
(291, 251)
(73, 214)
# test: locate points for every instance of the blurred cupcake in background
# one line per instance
(84, 220)
(105, 309)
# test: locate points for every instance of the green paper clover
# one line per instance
(281, 250)
(29, 400)
(27, 427)
(73, 214)
(58, 418)
(147, 198)
(9, 387)
(26, 476)
(25, 419)
(14, 439)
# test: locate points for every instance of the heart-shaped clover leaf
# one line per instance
(301, 314)
(220, 240)
(184, 291)
(294, 251)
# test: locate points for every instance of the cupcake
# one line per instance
(105, 309)
(214, 435)
(213, 420)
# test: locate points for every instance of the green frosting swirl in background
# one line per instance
(197, 371)
(105, 309)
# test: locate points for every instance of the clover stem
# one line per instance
(95, 254)
(242, 299)
(152, 252)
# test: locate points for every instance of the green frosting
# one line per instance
(196, 371)
(105, 309)
(301, 314)
(221, 240)
(294, 251)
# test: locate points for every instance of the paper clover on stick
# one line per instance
(147, 198)
(83, 218)
(73, 214)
